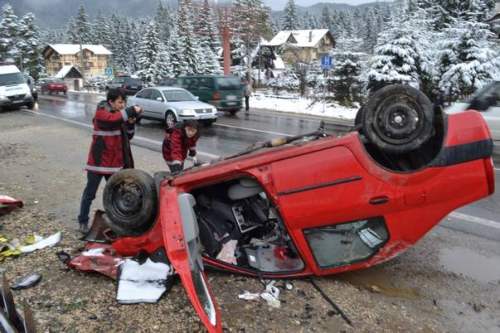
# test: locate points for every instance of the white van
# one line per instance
(14, 91)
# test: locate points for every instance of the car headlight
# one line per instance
(214, 110)
(188, 112)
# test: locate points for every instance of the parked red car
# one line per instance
(54, 86)
(309, 205)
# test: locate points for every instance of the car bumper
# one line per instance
(227, 105)
(211, 116)
(16, 102)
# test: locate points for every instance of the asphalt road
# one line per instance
(232, 134)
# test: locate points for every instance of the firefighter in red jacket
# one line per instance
(180, 144)
(114, 127)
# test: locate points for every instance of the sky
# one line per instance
(280, 4)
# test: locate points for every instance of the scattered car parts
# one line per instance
(8, 204)
(11, 320)
(27, 281)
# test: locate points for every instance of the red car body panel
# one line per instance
(333, 181)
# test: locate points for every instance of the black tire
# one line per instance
(131, 202)
(170, 120)
(398, 119)
(208, 123)
(30, 106)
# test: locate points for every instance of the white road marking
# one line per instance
(476, 220)
(141, 138)
(253, 130)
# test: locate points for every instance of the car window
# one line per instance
(11, 79)
(119, 80)
(228, 83)
(205, 83)
(178, 96)
(144, 94)
(155, 94)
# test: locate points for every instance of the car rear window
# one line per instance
(228, 83)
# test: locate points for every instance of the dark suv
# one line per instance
(127, 84)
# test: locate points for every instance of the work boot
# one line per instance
(83, 228)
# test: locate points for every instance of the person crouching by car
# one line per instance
(180, 144)
(110, 152)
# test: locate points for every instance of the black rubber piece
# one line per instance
(131, 202)
(397, 119)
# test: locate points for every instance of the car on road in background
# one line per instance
(487, 102)
(171, 105)
(14, 91)
(53, 86)
(223, 92)
(309, 205)
(127, 84)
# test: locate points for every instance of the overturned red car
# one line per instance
(309, 205)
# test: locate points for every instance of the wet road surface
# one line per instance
(232, 134)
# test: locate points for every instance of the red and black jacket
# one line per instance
(177, 146)
(110, 150)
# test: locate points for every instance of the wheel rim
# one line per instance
(127, 199)
(170, 120)
(398, 123)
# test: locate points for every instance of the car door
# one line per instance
(142, 99)
(335, 212)
(157, 103)
(181, 238)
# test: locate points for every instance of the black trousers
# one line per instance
(93, 181)
(247, 103)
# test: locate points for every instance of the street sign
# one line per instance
(108, 71)
(326, 62)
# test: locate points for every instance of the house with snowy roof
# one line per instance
(96, 58)
(302, 45)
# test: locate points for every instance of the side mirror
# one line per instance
(197, 98)
(159, 99)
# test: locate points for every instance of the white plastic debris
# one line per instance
(144, 283)
(227, 252)
(96, 252)
(41, 243)
(248, 296)
(271, 295)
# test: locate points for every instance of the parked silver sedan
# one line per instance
(172, 105)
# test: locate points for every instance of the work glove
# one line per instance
(192, 153)
(175, 169)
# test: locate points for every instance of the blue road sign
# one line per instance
(108, 71)
(326, 62)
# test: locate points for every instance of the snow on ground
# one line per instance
(288, 103)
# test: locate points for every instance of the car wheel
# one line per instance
(233, 112)
(30, 106)
(170, 120)
(208, 123)
(131, 202)
(398, 119)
